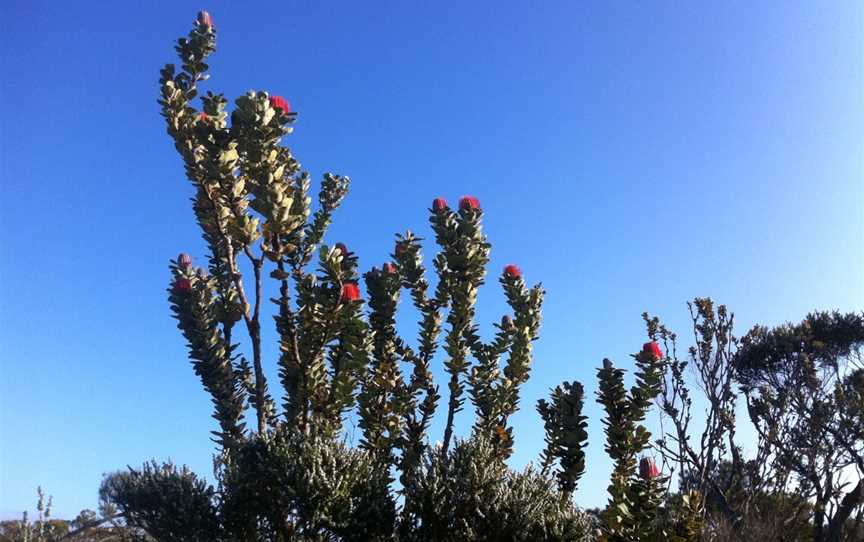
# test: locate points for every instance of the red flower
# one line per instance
(469, 202)
(648, 469)
(512, 272)
(184, 260)
(439, 205)
(202, 116)
(350, 292)
(653, 349)
(389, 268)
(205, 19)
(342, 248)
(183, 285)
(278, 102)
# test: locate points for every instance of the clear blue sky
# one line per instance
(629, 157)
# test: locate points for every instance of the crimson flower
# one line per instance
(469, 202)
(653, 349)
(350, 292)
(512, 272)
(342, 248)
(389, 268)
(184, 260)
(278, 102)
(439, 205)
(648, 469)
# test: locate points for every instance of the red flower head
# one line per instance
(342, 248)
(653, 349)
(439, 205)
(350, 292)
(389, 268)
(512, 272)
(184, 260)
(183, 285)
(648, 469)
(205, 19)
(469, 202)
(278, 102)
(202, 116)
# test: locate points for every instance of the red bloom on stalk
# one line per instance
(183, 285)
(653, 349)
(205, 19)
(512, 272)
(389, 268)
(184, 260)
(469, 202)
(350, 292)
(280, 103)
(342, 248)
(202, 116)
(439, 205)
(648, 469)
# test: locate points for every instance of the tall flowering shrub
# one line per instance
(283, 470)
(635, 493)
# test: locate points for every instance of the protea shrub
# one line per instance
(286, 471)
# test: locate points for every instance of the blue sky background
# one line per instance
(629, 157)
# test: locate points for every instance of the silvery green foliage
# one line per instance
(467, 493)
(291, 486)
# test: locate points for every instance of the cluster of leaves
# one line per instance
(467, 494)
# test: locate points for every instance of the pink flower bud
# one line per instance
(439, 205)
(350, 292)
(653, 349)
(281, 104)
(469, 202)
(648, 469)
(183, 285)
(184, 260)
(389, 268)
(205, 19)
(512, 272)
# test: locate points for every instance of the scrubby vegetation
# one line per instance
(291, 474)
